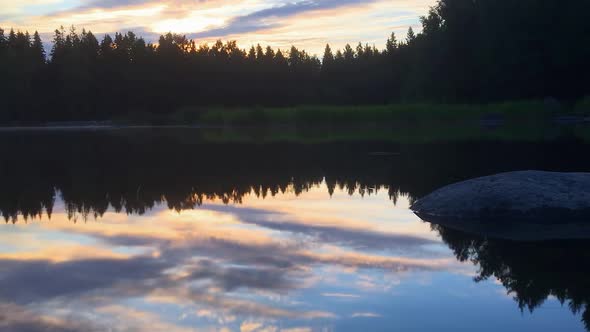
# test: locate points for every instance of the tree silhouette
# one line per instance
(38, 51)
(466, 51)
(530, 271)
(411, 36)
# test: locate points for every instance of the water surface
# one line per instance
(154, 232)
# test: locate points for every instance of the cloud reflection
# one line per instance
(18, 318)
(219, 265)
(355, 237)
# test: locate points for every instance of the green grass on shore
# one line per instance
(404, 113)
(534, 110)
(510, 121)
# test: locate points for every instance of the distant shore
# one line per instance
(488, 115)
(511, 121)
(340, 124)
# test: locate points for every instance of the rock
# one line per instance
(512, 205)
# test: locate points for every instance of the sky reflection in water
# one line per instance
(311, 262)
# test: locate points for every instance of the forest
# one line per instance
(468, 51)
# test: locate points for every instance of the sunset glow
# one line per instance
(308, 24)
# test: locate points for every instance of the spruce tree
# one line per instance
(37, 49)
(411, 36)
(328, 58)
(391, 44)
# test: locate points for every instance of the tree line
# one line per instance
(467, 51)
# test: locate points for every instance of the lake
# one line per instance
(169, 230)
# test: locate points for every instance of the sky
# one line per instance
(307, 24)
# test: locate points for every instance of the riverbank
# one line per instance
(487, 114)
(270, 134)
(404, 123)
(395, 114)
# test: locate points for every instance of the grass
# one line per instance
(400, 113)
(407, 123)
(583, 106)
(412, 134)
(533, 110)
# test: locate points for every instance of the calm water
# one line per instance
(148, 231)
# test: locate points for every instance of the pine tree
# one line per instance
(59, 45)
(360, 51)
(12, 39)
(37, 49)
(89, 46)
(106, 46)
(269, 54)
(328, 58)
(259, 53)
(252, 54)
(348, 53)
(391, 44)
(295, 57)
(280, 59)
(3, 48)
(73, 40)
(411, 36)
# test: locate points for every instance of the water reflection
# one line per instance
(530, 271)
(214, 267)
(185, 236)
(133, 171)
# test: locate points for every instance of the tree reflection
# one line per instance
(531, 271)
(132, 172)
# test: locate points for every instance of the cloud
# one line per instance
(356, 238)
(297, 329)
(365, 315)
(341, 295)
(123, 318)
(223, 261)
(18, 318)
(109, 4)
(250, 326)
(307, 24)
(293, 8)
(231, 278)
(178, 273)
(15, 318)
(31, 281)
(258, 20)
(105, 281)
(249, 308)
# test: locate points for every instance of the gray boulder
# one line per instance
(526, 205)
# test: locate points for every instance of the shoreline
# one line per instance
(557, 120)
